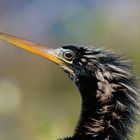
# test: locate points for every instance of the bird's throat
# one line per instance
(97, 110)
(88, 126)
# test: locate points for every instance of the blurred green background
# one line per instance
(37, 100)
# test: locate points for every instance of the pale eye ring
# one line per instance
(69, 55)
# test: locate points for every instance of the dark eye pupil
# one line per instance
(68, 55)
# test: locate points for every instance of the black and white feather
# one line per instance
(109, 94)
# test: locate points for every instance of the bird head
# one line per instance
(71, 58)
(76, 61)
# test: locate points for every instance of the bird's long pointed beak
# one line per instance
(35, 48)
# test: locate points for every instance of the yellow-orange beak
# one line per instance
(35, 48)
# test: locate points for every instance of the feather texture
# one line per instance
(109, 94)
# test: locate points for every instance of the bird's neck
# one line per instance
(90, 122)
(100, 117)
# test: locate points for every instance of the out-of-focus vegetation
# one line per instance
(37, 100)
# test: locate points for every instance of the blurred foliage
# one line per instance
(37, 100)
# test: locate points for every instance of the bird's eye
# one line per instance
(69, 55)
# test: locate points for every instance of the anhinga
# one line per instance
(107, 87)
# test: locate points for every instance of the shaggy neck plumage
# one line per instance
(109, 97)
(108, 108)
